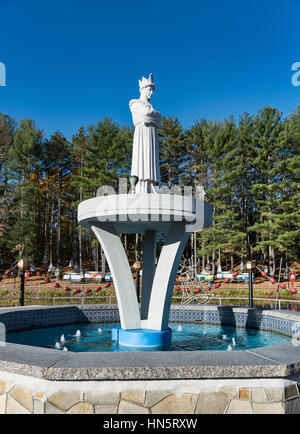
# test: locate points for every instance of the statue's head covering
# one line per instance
(145, 82)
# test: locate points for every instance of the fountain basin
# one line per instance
(270, 361)
(263, 379)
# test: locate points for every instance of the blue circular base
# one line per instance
(142, 337)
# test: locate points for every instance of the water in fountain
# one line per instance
(224, 337)
(233, 342)
(65, 349)
(62, 338)
(99, 331)
(179, 329)
(78, 334)
(229, 348)
(187, 340)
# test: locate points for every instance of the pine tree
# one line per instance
(199, 139)
(25, 174)
(287, 195)
(57, 166)
(79, 153)
(7, 127)
(226, 232)
(101, 168)
(269, 148)
(172, 150)
(244, 155)
(122, 150)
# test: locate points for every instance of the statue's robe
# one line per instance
(145, 153)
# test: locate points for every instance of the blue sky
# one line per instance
(72, 62)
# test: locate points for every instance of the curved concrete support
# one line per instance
(149, 254)
(166, 270)
(121, 274)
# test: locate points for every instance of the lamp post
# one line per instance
(22, 265)
(251, 267)
(137, 267)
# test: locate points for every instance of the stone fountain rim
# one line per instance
(274, 361)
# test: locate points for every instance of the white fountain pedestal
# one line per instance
(150, 214)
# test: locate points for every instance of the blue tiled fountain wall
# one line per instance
(27, 318)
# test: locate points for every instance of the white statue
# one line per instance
(145, 153)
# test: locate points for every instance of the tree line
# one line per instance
(249, 168)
